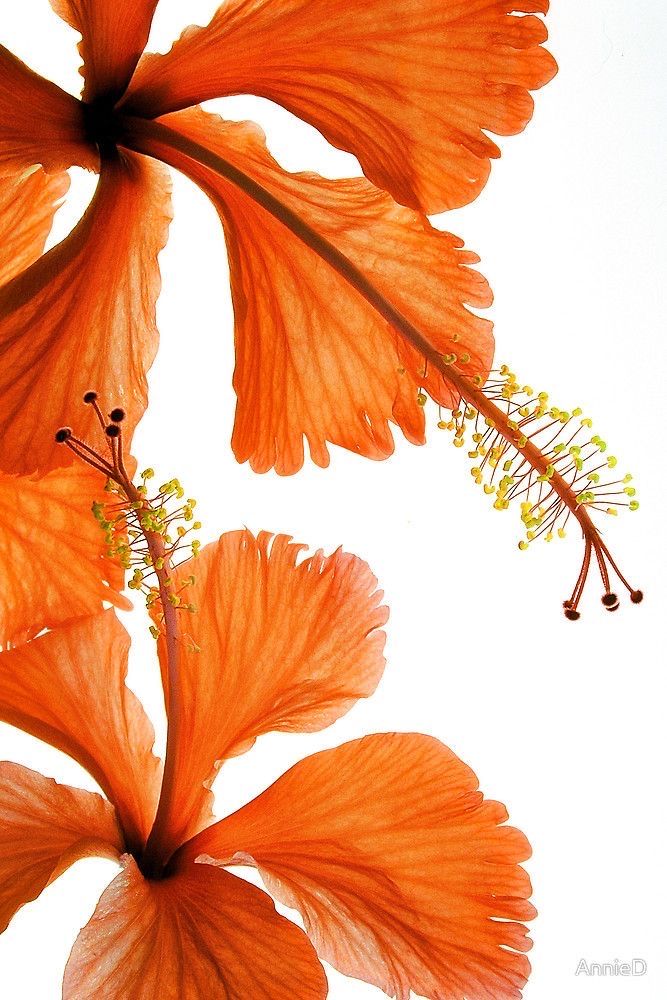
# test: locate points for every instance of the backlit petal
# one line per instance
(44, 828)
(83, 317)
(68, 689)
(314, 358)
(201, 933)
(53, 563)
(39, 122)
(283, 646)
(28, 203)
(403, 873)
(409, 88)
(114, 34)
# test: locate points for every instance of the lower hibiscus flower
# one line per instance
(404, 875)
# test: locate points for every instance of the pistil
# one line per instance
(145, 519)
(155, 139)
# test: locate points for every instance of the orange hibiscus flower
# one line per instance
(408, 91)
(350, 308)
(417, 886)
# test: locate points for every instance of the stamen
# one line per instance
(545, 458)
(535, 476)
(147, 537)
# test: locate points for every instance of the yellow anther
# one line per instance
(458, 442)
(443, 425)
(422, 398)
(561, 532)
(489, 490)
(634, 505)
(523, 546)
(612, 511)
(549, 537)
(586, 422)
(612, 461)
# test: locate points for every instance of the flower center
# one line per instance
(100, 122)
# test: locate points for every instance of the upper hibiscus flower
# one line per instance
(405, 876)
(334, 282)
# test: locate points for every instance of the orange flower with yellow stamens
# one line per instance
(408, 90)
(350, 309)
(417, 887)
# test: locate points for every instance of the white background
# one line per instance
(563, 722)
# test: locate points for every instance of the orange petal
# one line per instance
(45, 828)
(283, 647)
(83, 317)
(314, 358)
(407, 88)
(39, 122)
(27, 206)
(114, 34)
(402, 872)
(68, 689)
(200, 933)
(53, 563)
